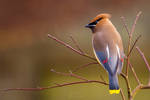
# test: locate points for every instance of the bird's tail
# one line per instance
(113, 84)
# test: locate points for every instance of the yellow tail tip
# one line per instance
(114, 91)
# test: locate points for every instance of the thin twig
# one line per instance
(69, 74)
(86, 65)
(122, 94)
(65, 44)
(134, 44)
(127, 84)
(139, 87)
(58, 85)
(134, 24)
(145, 87)
(125, 76)
(134, 73)
(83, 66)
(130, 39)
(135, 91)
(125, 25)
(70, 47)
(143, 57)
(145, 60)
(102, 78)
(76, 44)
(128, 57)
(128, 53)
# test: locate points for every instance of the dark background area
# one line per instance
(27, 54)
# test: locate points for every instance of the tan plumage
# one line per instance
(108, 48)
(105, 32)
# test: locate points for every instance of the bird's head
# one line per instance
(97, 21)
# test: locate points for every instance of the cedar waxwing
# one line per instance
(108, 48)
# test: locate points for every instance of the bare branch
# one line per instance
(58, 85)
(84, 66)
(122, 94)
(129, 42)
(127, 84)
(145, 87)
(130, 39)
(102, 78)
(70, 47)
(143, 57)
(65, 44)
(140, 86)
(146, 62)
(69, 74)
(134, 44)
(134, 73)
(76, 44)
(128, 57)
(135, 91)
(134, 24)
(125, 25)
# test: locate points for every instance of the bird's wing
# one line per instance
(103, 57)
(120, 59)
(110, 59)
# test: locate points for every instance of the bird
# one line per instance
(108, 48)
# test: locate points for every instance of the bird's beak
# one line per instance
(89, 26)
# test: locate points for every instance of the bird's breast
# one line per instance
(99, 42)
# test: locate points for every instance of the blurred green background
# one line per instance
(27, 54)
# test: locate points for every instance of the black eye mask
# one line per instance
(95, 22)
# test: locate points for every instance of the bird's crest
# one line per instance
(101, 16)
